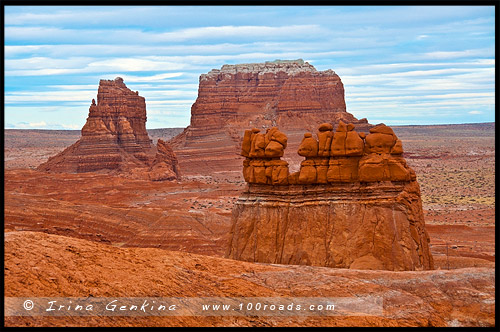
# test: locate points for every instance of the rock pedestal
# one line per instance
(354, 203)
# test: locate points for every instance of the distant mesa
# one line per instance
(114, 139)
(354, 203)
(289, 94)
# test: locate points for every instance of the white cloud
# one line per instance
(92, 87)
(169, 93)
(153, 78)
(62, 35)
(50, 66)
(381, 68)
(37, 67)
(255, 31)
(122, 36)
(391, 96)
(172, 101)
(475, 112)
(163, 49)
(83, 96)
(46, 62)
(459, 54)
(43, 125)
(31, 124)
(390, 58)
(133, 64)
(71, 126)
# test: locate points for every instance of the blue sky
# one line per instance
(399, 64)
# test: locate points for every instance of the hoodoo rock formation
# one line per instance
(289, 94)
(354, 203)
(114, 138)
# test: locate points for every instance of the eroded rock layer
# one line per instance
(289, 94)
(350, 226)
(114, 138)
(354, 203)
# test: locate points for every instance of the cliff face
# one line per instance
(288, 94)
(266, 94)
(346, 226)
(114, 138)
(354, 203)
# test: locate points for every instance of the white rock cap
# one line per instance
(291, 67)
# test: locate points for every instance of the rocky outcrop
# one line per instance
(354, 203)
(343, 156)
(114, 138)
(288, 94)
(165, 165)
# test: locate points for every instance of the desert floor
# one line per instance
(128, 227)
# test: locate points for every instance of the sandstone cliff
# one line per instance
(114, 138)
(289, 94)
(354, 203)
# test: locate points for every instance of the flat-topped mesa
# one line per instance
(277, 93)
(114, 138)
(354, 203)
(288, 94)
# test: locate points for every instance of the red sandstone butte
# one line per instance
(114, 138)
(289, 94)
(354, 203)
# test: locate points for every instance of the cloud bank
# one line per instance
(401, 64)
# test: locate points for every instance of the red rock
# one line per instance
(382, 160)
(262, 163)
(308, 173)
(382, 129)
(343, 169)
(358, 208)
(114, 138)
(347, 226)
(325, 127)
(165, 165)
(309, 146)
(397, 149)
(275, 142)
(354, 144)
(286, 94)
(325, 136)
(346, 141)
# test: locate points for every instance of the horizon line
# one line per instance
(401, 125)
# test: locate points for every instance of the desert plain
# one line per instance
(92, 234)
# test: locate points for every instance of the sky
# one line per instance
(399, 65)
